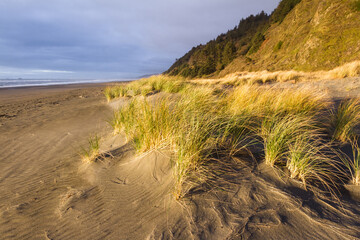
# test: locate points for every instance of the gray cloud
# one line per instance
(108, 38)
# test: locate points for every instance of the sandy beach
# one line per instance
(47, 192)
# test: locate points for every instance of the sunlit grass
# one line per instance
(351, 69)
(279, 132)
(146, 86)
(345, 119)
(254, 100)
(198, 122)
(116, 92)
(308, 160)
(353, 164)
(91, 153)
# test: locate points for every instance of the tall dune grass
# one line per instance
(345, 119)
(92, 152)
(351, 69)
(192, 127)
(308, 160)
(148, 126)
(115, 92)
(146, 86)
(279, 132)
(353, 164)
(255, 100)
(203, 121)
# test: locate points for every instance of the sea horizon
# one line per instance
(33, 82)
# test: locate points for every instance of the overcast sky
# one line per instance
(109, 38)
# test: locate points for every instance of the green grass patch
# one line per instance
(278, 46)
(146, 86)
(356, 5)
(345, 119)
(91, 153)
(353, 164)
(199, 123)
(309, 161)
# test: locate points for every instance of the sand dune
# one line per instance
(47, 192)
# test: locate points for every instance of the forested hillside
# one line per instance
(298, 34)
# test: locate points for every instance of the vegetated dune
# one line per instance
(49, 193)
(348, 70)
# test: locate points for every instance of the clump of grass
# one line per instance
(345, 119)
(195, 125)
(353, 164)
(278, 46)
(351, 69)
(240, 78)
(123, 119)
(193, 144)
(280, 132)
(115, 92)
(308, 160)
(192, 126)
(149, 126)
(91, 153)
(154, 126)
(260, 102)
(147, 86)
(356, 5)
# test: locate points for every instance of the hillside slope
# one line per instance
(303, 35)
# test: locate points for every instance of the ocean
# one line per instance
(5, 83)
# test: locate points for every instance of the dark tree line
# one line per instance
(245, 39)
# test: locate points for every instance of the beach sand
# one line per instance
(47, 192)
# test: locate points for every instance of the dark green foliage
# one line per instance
(256, 42)
(285, 6)
(229, 53)
(244, 40)
(356, 5)
(278, 46)
(215, 55)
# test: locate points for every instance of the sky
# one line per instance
(110, 39)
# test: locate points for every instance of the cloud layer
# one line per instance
(109, 38)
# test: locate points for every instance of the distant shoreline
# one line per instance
(10, 93)
(62, 84)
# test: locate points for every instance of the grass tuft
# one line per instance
(146, 86)
(308, 160)
(353, 164)
(116, 92)
(199, 123)
(279, 132)
(345, 119)
(356, 5)
(91, 153)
